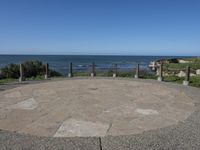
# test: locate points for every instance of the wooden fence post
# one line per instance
(93, 74)
(115, 70)
(160, 77)
(21, 71)
(46, 76)
(137, 71)
(70, 74)
(187, 76)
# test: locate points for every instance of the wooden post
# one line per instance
(187, 76)
(115, 70)
(160, 77)
(137, 71)
(70, 74)
(21, 71)
(46, 71)
(93, 70)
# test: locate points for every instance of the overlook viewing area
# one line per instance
(99, 113)
(100, 75)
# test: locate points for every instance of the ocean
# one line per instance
(60, 63)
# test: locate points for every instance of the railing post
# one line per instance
(137, 71)
(160, 77)
(93, 70)
(46, 71)
(115, 70)
(70, 74)
(187, 76)
(21, 71)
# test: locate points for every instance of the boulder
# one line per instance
(198, 71)
(192, 74)
(182, 61)
(181, 74)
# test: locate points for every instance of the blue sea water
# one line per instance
(82, 62)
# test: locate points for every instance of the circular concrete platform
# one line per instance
(92, 107)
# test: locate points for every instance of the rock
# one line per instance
(165, 74)
(198, 71)
(181, 61)
(192, 74)
(181, 74)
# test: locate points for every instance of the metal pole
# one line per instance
(187, 76)
(21, 78)
(160, 78)
(46, 71)
(70, 74)
(93, 70)
(115, 70)
(137, 71)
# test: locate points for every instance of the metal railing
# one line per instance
(114, 69)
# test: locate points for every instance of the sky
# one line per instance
(100, 27)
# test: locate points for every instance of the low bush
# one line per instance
(31, 69)
(195, 81)
(173, 79)
(10, 71)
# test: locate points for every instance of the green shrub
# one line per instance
(195, 81)
(194, 65)
(125, 74)
(10, 71)
(80, 73)
(31, 69)
(54, 73)
(7, 80)
(173, 79)
(144, 74)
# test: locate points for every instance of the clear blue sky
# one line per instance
(127, 27)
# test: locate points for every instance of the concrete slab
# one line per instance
(92, 107)
(73, 128)
(147, 111)
(28, 104)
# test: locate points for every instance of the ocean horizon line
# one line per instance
(121, 55)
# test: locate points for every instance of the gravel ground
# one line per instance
(184, 135)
